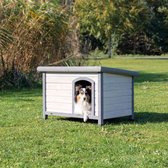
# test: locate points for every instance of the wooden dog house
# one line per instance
(112, 91)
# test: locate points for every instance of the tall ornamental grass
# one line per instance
(41, 34)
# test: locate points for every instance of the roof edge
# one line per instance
(86, 69)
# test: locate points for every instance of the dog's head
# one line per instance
(83, 94)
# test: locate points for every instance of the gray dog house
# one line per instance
(112, 91)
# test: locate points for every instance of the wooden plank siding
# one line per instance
(117, 95)
(59, 91)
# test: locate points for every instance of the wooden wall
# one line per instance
(117, 95)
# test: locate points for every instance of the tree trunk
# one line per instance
(110, 47)
(3, 63)
(67, 2)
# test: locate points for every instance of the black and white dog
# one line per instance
(83, 101)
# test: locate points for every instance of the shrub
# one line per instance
(42, 33)
(138, 43)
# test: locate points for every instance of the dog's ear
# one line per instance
(89, 90)
(89, 87)
(75, 98)
(78, 87)
(76, 94)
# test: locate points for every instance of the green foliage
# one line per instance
(40, 31)
(111, 19)
(158, 27)
(29, 141)
(16, 79)
(97, 55)
(139, 43)
(113, 22)
(77, 61)
(5, 38)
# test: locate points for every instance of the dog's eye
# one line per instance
(82, 93)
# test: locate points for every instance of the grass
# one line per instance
(26, 140)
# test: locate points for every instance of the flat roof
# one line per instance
(85, 69)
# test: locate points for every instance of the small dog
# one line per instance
(83, 101)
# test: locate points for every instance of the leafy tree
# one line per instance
(108, 20)
(158, 27)
(41, 32)
(5, 39)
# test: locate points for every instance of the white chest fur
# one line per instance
(83, 108)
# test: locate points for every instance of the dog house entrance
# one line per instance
(83, 96)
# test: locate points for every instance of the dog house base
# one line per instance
(112, 91)
(100, 121)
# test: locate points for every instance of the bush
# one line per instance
(138, 44)
(42, 33)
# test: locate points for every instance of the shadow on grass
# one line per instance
(26, 100)
(151, 117)
(23, 93)
(140, 118)
(151, 77)
(79, 120)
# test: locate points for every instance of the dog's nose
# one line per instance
(84, 98)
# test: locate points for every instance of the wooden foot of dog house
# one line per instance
(112, 91)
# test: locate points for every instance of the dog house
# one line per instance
(112, 91)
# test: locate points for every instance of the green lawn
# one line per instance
(26, 140)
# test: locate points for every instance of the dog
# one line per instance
(83, 101)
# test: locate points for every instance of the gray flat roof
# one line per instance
(85, 69)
